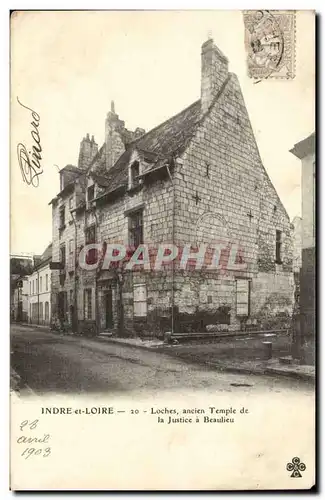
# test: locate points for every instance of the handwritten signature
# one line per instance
(30, 166)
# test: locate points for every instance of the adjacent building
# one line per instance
(19, 298)
(195, 179)
(305, 151)
(297, 260)
(20, 266)
(39, 290)
(297, 243)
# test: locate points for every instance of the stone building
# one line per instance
(195, 179)
(20, 266)
(39, 289)
(19, 298)
(297, 243)
(297, 260)
(305, 151)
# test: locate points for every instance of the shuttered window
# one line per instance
(140, 300)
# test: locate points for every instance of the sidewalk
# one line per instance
(241, 354)
(306, 372)
(31, 325)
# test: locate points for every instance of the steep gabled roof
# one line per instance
(172, 136)
(167, 139)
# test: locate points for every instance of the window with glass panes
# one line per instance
(136, 228)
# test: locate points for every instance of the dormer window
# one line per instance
(135, 172)
(91, 193)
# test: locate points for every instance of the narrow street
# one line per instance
(52, 363)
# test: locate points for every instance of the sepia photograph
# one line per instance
(162, 254)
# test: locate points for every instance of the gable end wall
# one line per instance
(237, 185)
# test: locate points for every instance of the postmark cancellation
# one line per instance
(270, 43)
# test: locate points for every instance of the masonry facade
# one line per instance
(39, 290)
(197, 179)
(19, 298)
(305, 150)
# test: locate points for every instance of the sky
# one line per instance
(68, 66)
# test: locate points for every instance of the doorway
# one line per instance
(62, 301)
(108, 308)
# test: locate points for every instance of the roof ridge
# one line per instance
(162, 123)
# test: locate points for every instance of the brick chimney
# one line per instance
(88, 150)
(114, 135)
(214, 71)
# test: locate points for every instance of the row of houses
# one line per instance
(31, 290)
(196, 179)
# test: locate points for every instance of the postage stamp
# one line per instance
(270, 43)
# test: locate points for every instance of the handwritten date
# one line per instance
(30, 451)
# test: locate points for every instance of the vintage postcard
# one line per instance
(162, 255)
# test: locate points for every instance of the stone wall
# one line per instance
(156, 201)
(63, 236)
(307, 292)
(308, 197)
(223, 193)
(111, 220)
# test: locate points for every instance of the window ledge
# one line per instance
(139, 318)
(134, 209)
